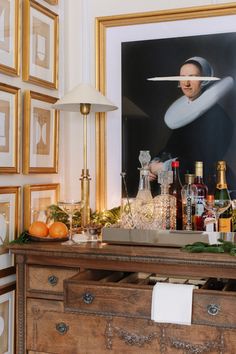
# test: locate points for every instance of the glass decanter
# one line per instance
(143, 207)
(165, 204)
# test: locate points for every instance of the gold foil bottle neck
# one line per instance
(198, 168)
(221, 165)
(189, 178)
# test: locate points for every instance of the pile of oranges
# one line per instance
(41, 229)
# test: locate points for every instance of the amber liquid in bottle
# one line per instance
(202, 191)
(175, 190)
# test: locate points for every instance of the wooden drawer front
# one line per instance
(48, 278)
(109, 298)
(132, 296)
(50, 330)
(214, 308)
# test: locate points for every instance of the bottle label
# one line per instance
(225, 224)
(199, 206)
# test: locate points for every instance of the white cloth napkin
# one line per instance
(172, 303)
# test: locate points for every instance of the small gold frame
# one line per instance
(10, 150)
(39, 45)
(41, 194)
(40, 156)
(10, 198)
(12, 41)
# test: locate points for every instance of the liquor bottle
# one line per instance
(175, 190)
(165, 204)
(189, 193)
(201, 196)
(221, 195)
(208, 216)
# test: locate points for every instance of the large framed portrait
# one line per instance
(37, 197)
(7, 318)
(9, 37)
(9, 222)
(133, 49)
(9, 128)
(40, 45)
(40, 149)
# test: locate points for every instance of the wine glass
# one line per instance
(70, 207)
(217, 207)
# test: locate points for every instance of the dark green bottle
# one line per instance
(222, 194)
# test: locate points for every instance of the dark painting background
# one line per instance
(144, 104)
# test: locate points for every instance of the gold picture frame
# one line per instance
(9, 223)
(41, 128)
(111, 31)
(37, 197)
(40, 45)
(10, 37)
(7, 317)
(9, 128)
(52, 2)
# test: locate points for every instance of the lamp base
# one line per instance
(85, 197)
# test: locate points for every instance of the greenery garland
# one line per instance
(222, 247)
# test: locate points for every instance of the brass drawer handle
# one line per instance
(52, 280)
(88, 298)
(213, 309)
(62, 328)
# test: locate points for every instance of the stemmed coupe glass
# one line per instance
(70, 207)
(217, 207)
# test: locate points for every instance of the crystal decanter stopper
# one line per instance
(165, 204)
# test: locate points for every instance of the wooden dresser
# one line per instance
(95, 299)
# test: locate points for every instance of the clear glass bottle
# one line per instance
(222, 195)
(189, 194)
(143, 207)
(175, 190)
(144, 190)
(208, 216)
(202, 191)
(165, 204)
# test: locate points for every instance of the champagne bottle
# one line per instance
(222, 194)
(202, 191)
(175, 190)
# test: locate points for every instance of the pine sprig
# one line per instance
(23, 238)
(222, 247)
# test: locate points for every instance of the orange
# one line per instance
(38, 228)
(58, 229)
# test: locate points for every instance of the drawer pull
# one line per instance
(88, 298)
(62, 328)
(52, 280)
(213, 309)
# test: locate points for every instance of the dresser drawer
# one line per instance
(47, 279)
(51, 330)
(131, 296)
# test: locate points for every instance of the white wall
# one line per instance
(80, 66)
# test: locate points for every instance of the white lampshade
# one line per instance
(81, 94)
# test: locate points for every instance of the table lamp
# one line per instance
(84, 99)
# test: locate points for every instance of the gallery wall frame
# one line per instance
(9, 128)
(41, 129)
(40, 45)
(37, 197)
(7, 317)
(52, 2)
(10, 198)
(111, 33)
(10, 37)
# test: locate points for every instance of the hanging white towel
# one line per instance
(172, 303)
